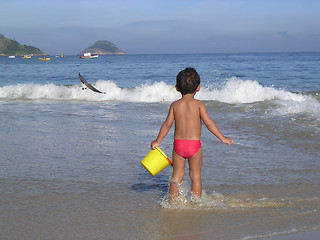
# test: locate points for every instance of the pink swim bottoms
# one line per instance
(186, 148)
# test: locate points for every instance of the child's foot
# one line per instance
(174, 190)
(195, 200)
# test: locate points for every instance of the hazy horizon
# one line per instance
(161, 27)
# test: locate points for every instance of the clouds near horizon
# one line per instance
(164, 26)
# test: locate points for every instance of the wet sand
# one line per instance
(314, 235)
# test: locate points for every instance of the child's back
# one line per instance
(186, 113)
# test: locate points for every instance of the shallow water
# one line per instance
(70, 158)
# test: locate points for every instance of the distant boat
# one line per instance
(44, 58)
(89, 55)
(61, 55)
(12, 56)
(26, 57)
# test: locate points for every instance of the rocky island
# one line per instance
(103, 47)
(10, 47)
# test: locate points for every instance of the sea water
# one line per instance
(70, 157)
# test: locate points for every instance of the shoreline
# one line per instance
(309, 235)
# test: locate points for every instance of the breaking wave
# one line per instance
(233, 91)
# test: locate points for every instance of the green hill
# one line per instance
(104, 48)
(12, 47)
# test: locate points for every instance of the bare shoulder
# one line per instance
(202, 108)
(200, 103)
(175, 103)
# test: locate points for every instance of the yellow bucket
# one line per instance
(155, 161)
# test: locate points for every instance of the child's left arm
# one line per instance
(213, 128)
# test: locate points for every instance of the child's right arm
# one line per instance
(165, 128)
(213, 128)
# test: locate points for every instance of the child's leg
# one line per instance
(195, 164)
(177, 175)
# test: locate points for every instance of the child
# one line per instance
(187, 114)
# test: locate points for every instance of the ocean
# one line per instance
(70, 158)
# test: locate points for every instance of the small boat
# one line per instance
(44, 58)
(61, 55)
(89, 55)
(26, 57)
(12, 56)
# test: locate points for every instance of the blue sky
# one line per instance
(164, 26)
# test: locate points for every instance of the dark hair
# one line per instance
(187, 81)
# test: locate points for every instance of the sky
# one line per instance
(164, 26)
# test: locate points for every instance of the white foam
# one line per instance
(298, 103)
(233, 91)
(186, 200)
(236, 90)
(156, 92)
(303, 230)
(239, 91)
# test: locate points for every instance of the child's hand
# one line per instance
(228, 141)
(154, 144)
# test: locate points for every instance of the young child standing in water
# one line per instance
(187, 114)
